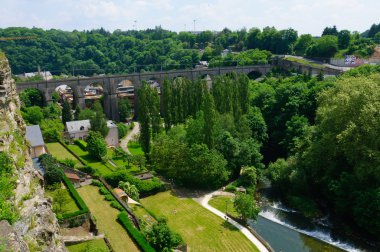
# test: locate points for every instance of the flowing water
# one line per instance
(287, 230)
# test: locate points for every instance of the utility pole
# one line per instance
(194, 24)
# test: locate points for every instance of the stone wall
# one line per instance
(37, 228)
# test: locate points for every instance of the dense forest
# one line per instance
(316, 139)
(99, 51)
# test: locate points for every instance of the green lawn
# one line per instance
(97, 165)
(94, 245)
(201, 229)
(106, 217)
(304, 62)
(135, 148)
(220, 203)
(145, 218)
(59, 152)
(120, 162)
(70, 206)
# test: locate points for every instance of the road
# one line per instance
(129, 137)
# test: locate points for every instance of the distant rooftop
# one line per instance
(34, 135)
(111, 124)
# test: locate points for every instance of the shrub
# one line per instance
(68, 162)
(53, 173)
(96, 183)
(161, 237)
(134, 233)
(116, 205)
(145, 187)
(109, 197)
(82, 144)
(103, 190)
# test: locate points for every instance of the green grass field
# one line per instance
(70, 206)
(145, 218)
(135, 148)
(201, 229)
(94, 245)
(106, 221)
(97, 165)
(304, 62)
(59, 152)
(223, 203)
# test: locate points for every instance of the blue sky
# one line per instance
(306, 16)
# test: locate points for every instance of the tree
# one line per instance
(209, 117)
(99, 122)
(51, 129)
(144, 117)
(344, 37)
(60, 200)
(325, 46)
(55, 97)
(96, 145)
(161, 237)
(66, 113)
(77, 113)
(130, 189)
(303, 42)
(122, 129)
(31, 97)
(245, 205)
(33, 115)
(124, 109)
(330, 31)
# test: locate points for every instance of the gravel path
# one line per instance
(204, 202)
(129, 137)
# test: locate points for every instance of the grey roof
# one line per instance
(111, 124)
(34, 135)
(78, 126)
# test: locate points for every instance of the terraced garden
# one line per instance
(106, 221)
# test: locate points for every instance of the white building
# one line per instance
(80, 129)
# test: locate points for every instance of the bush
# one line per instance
(109, 197)
(161, 237)
(82, 144)
(96, 183)
(134, 233)
(145, 187)
(122, 130)
(88, 169)
(103, 190)
(116, 205)
(68, 162)
(53, 173)
(230, 188)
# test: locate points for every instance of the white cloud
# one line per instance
(306, 16)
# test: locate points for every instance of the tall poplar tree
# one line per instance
(66, 112)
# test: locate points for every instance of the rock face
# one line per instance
(37, 228)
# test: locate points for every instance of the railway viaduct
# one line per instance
(110, 82)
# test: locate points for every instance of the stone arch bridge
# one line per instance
(110, 83)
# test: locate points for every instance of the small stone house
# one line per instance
(79, 130)
(37, 144)
(74, 178)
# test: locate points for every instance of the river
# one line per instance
(287, 230)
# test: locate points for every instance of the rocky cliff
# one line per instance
(36, 228)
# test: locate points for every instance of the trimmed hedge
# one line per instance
(78, 200)
(82, 144)
(134, 233)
